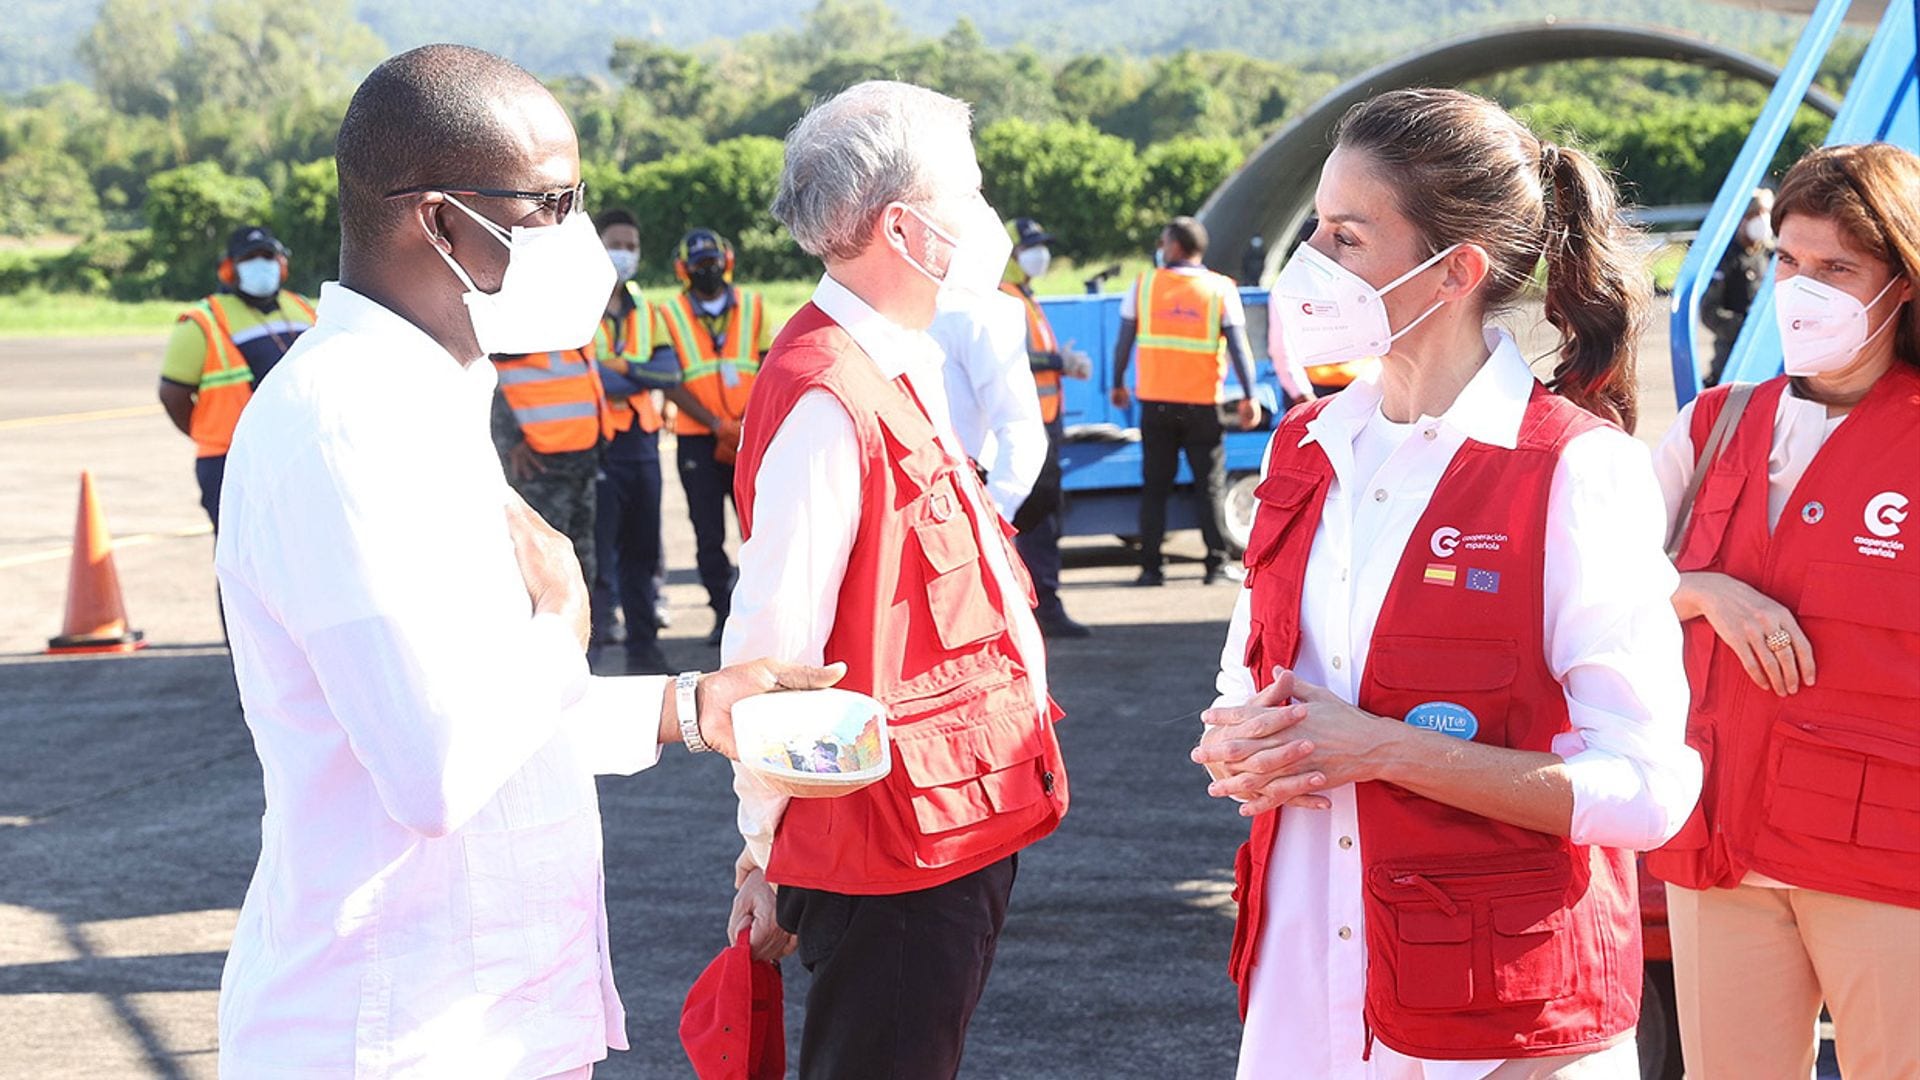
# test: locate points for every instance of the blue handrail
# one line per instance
(1882, 102)
(1717, 231)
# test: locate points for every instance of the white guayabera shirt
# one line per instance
(1612, 640)
(428, 901)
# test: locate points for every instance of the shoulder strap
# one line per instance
(1723, 427)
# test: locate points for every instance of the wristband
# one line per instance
(688, 711)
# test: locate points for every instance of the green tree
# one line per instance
(45, 190)
(1180, 174)
(1082, 183)
(191, 210)
(306, 218)
(726, 187)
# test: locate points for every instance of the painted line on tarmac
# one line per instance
(136, 540)
(123, 413)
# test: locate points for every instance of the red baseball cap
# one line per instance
(733, 1024)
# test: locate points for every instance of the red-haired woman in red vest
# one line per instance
(1455, 576)
(1798, 879)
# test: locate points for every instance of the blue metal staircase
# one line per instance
(1882, 104)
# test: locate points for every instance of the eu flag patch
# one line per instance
(1483, 580)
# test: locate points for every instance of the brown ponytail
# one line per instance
(1597, 290)
(1466, 172)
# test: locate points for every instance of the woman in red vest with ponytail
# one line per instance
(1451, 700)
(1798, 879)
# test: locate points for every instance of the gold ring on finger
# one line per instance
(1779, 641)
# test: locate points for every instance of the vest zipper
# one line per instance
(1420, 881)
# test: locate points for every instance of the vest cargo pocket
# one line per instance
(1532, 959)
(955, 580)
(1871, 617)
(1846, 781)
(973, 757)
(1433, 959)
(1471, 934)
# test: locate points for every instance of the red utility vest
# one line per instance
(922, 626)
(1820, 789)
(1484, 940)
(1042, 348)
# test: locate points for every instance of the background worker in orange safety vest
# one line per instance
(550, 416)
(719, 333)
(635, 364)
(1041, 516)
(225, 344)
(1182, 315)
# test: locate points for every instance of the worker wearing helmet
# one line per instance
(719, 333)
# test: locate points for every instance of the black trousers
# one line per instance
(895, 978)
(210, 472)
(1166, 431)
(626, 529)
(1041, 520)
(709, 487)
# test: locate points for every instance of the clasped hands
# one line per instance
(1291, 741)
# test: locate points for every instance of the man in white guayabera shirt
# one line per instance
(409, 637)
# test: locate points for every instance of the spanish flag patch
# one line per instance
(1441, 574)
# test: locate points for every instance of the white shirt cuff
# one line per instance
(1616, 804)
(616, 722)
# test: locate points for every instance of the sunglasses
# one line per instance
(563, 202)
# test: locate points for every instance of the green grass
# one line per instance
(40, 314)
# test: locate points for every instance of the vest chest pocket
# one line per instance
(1457, 686)
(953, 569)
(1706, 527)
(1864, 624)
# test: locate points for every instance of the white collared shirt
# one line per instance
(1612, 640)
(994, 402)
(806, 510)
(428, 900)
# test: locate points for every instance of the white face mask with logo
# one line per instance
(552, 294)
(258, 277)
(1822, 328)
(976, 258)
(1034, 260)
(626, 262)
(1330, 315)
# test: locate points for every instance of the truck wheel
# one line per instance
(1658, 1036)
(1236, 511)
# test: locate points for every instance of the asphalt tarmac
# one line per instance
(130, 796)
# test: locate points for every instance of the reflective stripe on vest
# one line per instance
(1181, 356)
(703, 364)
(1483, 939)
(620, 351)
(1042, 345)
(226, 382)
(1820, 789)
(556, 399)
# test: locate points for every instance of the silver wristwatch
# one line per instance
(688, 711)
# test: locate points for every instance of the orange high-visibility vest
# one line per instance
(620, 344)
(1043, 346)
(1182, 358)
(719, 375)
(226, 380)
(557, 400)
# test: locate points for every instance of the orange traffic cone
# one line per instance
(96, 616)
